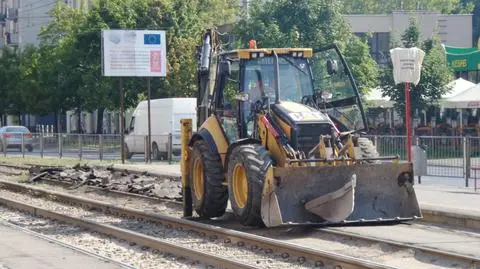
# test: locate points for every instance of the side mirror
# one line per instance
(324, 96)
(225, 68)
(332, 67)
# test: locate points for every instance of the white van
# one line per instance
(165, 119)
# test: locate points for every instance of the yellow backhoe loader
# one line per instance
(279, 134)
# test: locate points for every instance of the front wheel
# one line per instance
(247, 168)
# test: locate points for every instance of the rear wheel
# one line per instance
(206, 178)
(247, 167)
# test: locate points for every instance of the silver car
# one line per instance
(11, 137)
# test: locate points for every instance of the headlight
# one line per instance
(254, 55)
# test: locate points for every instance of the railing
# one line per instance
(453, 157)
(92, 147)
(447, 156)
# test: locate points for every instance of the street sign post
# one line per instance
(407, 65)
(134, 53)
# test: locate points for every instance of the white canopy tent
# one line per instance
(469, 98)
(456, 87)
(375, 98)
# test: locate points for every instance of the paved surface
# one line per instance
(466, 243)
(19, 250)
(451, 199)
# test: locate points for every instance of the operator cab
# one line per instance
(311, 85)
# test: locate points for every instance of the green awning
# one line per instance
(463, 59)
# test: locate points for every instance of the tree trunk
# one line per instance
(100, 113)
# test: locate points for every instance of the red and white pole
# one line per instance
(408, 121)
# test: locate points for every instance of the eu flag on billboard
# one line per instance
(151, 39)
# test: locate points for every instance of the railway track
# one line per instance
(5, 222)
(281, 253)
(236, 237)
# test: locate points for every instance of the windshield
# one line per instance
(295, 82)
(343, 105)
(17, 130)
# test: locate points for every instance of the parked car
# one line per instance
(11, 137)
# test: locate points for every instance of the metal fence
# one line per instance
(92, 147)
(447, 156)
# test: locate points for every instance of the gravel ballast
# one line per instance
(103, 245)
(247, 254)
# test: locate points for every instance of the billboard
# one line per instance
(134, 53)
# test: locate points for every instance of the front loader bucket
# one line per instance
(340, 194)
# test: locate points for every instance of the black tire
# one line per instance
(29, 148)
(256, 160)
(155, 152)
(212, 202)
(126, 152)
(367, 149)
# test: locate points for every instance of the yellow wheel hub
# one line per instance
(198, 178)
(240, 185)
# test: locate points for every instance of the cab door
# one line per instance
(336, 89)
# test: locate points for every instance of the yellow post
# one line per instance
(187, 195)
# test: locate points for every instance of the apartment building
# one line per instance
(9, 27)
(22, 20)
(453, 30)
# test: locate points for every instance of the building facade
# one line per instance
(21, 20)
(453, 30)
(9, 26)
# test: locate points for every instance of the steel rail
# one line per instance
(128, 235)
(214, 232)
(457, 256)
(6, 222)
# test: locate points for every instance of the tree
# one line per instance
(376, 7)
(11, 101)
(307, 23)
(435, 75)
(66, 68)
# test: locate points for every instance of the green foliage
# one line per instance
(434, 76)
(411, 36)
(64, 72)
(307, 23)
(9, 76)
(376, 7)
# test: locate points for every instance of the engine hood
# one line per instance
(296, 113)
